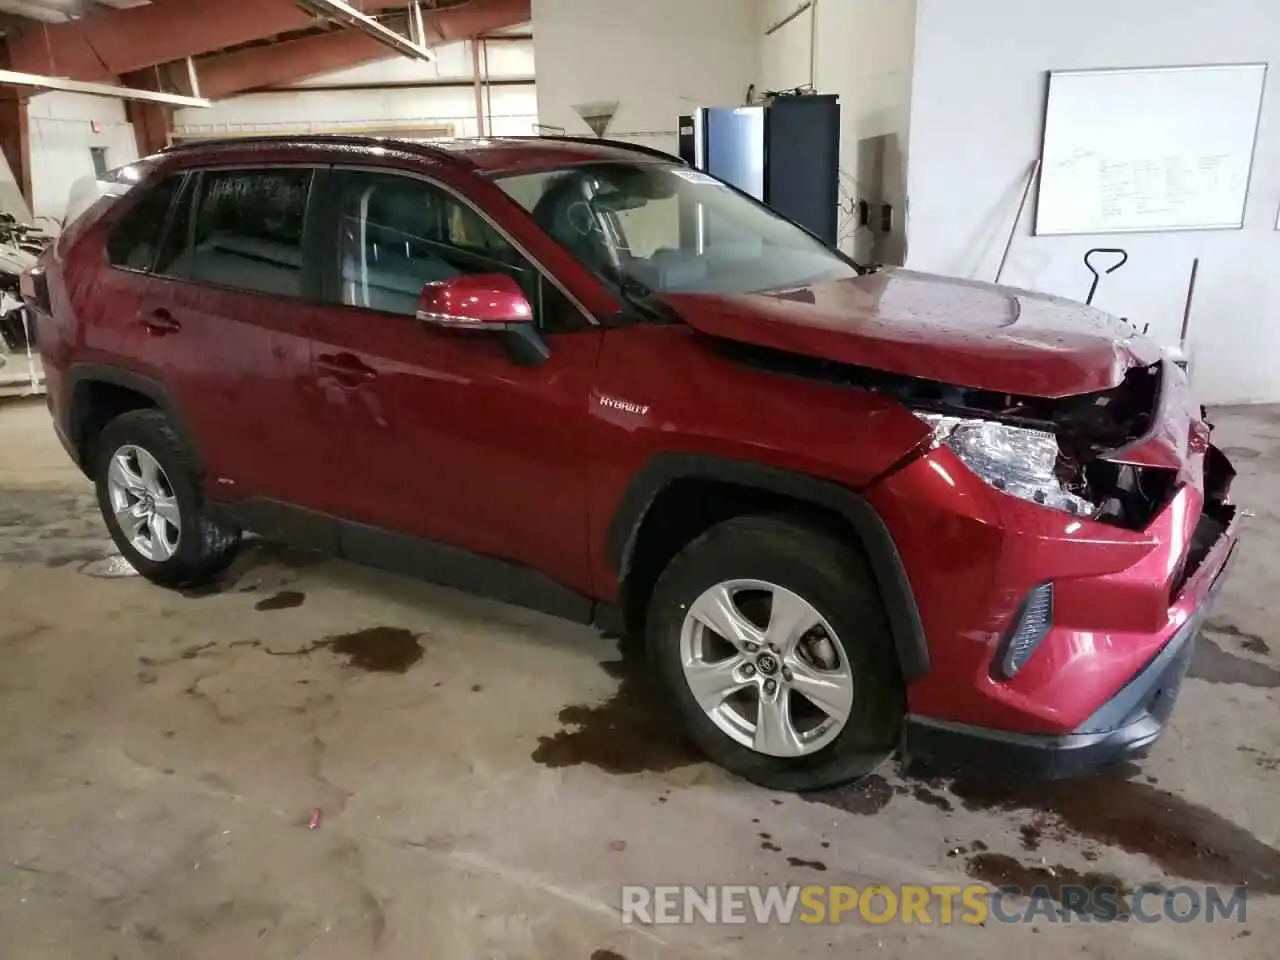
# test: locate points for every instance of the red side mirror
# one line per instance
(475, 300)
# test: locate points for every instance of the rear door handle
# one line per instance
(160, 321)
(346, 368)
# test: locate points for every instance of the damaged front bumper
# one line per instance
(1123, 728)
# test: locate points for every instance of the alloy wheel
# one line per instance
(766, 667)
(144, 504)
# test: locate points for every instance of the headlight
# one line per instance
(1017, 461)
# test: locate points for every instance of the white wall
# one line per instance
(860, 50)
(977, 112)
(61, 132)
(657, 58)
(397, 105)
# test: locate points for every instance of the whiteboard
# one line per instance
(1165, 148)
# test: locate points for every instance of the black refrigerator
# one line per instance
(785, 153)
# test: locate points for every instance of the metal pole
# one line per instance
(488, 85)
(1026, 192)
(192, 79)
(475, 73)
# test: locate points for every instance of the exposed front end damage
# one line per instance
(1125, 450)
(1058, 629)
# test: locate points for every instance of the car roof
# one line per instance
(490, 155)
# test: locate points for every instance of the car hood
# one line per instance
(960, 332)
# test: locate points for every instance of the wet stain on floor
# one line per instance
(1240, 453)
(809, 864)
(869, 795)
(1029, 835)
(1216, 665)
(1265, 761)
(283, 600)
(256, 554)
(377, 649)
(931, 798)
(606, 955)
(1085, 896)
(1186, 840)
(631, 732)
(1249, 641)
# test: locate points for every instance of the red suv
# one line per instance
(850, 509)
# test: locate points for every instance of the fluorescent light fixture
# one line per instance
(100, 89)
(345, 13)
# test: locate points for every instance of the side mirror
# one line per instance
(490, 302)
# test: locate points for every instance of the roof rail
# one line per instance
(604, 142)
(322, 139)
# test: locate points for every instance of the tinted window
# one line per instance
(247, 232)
(134, 239)
(397, 234)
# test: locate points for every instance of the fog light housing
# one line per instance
(1030, 625)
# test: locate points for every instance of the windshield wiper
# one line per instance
(642, 298)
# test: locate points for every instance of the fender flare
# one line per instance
(79, 374)
(882, 552)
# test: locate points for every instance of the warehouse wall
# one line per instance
(658, 59)
(977, 113)
(386, 94)
(862, 51)
(61, 133)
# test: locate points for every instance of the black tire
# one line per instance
(205, 548)
(832, 577)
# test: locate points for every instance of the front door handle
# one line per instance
(160, 322)
(346, 368)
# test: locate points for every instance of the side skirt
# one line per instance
(416, 557)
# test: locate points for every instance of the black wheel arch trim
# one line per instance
(153, 390)
(876, 540)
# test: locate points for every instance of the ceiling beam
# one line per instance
(14, 78)
(106, 43)
(227, 74)
(287, 62)
(342, 12)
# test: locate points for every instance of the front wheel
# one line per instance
(773, 645)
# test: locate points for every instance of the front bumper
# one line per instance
(1123, 728)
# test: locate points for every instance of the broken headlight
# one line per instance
(1015, 460)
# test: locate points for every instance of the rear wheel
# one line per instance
(773, 645)
(149, 494)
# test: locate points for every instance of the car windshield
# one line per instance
(671, 229)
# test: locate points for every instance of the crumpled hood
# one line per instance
(959, 332)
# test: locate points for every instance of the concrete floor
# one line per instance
(486, 781)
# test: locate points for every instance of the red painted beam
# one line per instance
(107, 43)
(284, 63)
(15, 140)
(474, 18)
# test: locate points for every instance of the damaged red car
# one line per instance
(849, 510)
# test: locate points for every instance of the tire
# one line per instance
(833, 579)
(201, 549)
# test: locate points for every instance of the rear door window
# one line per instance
(135, 238)
(243, 229)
